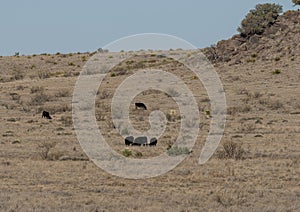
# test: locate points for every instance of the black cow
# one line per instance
(46, 115)
(153, 142)
(140, 105)
(139, 141)
(129, 140)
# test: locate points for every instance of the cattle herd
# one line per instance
(140, 141)
(130, 140)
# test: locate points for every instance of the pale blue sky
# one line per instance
(39, 26)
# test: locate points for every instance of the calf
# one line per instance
(46, 115)
(140, 105)
(153, 142)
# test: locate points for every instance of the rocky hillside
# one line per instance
(282, 39)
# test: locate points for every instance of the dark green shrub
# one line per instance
(296, 2)
(258, 19)
(276, 71)
(126, 153)
(277, 59)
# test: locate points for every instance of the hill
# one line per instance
(279, 40)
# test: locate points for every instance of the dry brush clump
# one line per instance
(67, 120)
(18, 75)
(44, 148)
(231, 150)
(15, 96)
(39, 98)
(238, 109)
(43, 75)
(63, 93)
(37, 89)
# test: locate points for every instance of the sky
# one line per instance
(39, 26)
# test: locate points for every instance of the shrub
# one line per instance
(39, 99)
(15, 96)
(126, 153)
(296, 2)
(44, 148)
(104, 94)
(43, 75)
(276, 71)
(258, 19)
(277, 59)
(254, 55)
(275, 105)
(172, 92)
(66, 120)
(250, 60)
(63, 93)
(138, 154)
(18, 75)
(36, 89)
(231, 150)
(174, 151)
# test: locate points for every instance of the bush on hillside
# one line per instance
(258, 19)
(296, 2)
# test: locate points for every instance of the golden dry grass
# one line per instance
(263, 117)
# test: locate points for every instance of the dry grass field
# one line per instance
(255, 168)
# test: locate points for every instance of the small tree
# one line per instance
(296, 2)
(258, 19)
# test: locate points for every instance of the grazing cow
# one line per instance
(153, 142)
(140, 141)
(129, 140)
(46, 115)
(140, 105)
